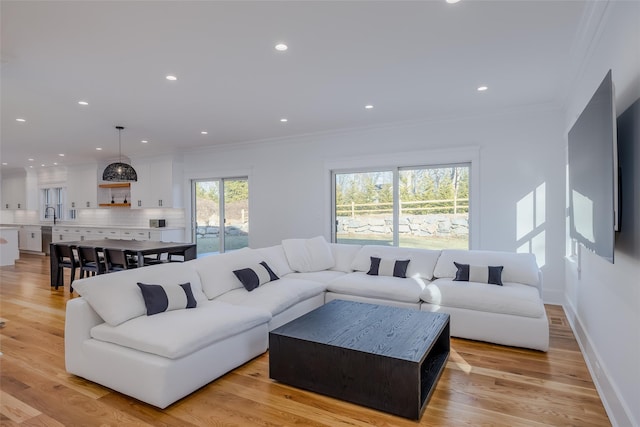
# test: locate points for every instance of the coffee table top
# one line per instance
(383, 330)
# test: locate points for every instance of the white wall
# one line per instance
(603, 300)
(519, 152)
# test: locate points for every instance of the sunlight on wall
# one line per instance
(530, 221)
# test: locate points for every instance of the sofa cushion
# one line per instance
(512, 298)
(256, 275)
(343, 254)
(422, 261)
(216, 271)
(388, 267)
(276, 296)
(276, 258)
(161, 298)
(383, 287)
(518, 267)
(177, 333)
(324, 276)
(479, 273)
(306, 255)
(117, 298)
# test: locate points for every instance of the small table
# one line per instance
(383, 357)
(138, 247)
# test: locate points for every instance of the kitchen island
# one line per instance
(8, 245)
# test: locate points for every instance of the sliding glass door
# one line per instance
(220, 214)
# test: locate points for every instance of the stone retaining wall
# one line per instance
(213, 231)
(416, 225)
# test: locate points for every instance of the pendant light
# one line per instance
(119, 171)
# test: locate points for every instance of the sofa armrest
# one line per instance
(80, 318)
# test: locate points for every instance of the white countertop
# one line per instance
(68, 224)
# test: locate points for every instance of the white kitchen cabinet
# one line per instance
(64, 233)
(30, 238)
(158, 185)
(106, 233)
(82, 187)
(19, 191)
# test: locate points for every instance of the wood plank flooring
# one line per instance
(482, 384)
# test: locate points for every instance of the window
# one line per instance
(52, 198)
(420, 207)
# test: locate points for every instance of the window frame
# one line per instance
(395, 178)
(58, 193)
(469, 155)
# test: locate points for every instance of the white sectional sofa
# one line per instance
(160, 358)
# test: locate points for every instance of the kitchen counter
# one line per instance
(73, 224)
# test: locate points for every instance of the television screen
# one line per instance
(593, 173)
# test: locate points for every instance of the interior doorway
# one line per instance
(220, 214)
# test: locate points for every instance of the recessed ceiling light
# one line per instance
(83, 103)
(55, 163)
(31, 160)
(172, 78)
(204, 132)
(452, 1)
(4, 163)
(21, 120)
(281, 47)
(144, 141)
(42, 165)
(284, 120)
(482, 88)
(368, 107)
(61, 155)
(98, 149)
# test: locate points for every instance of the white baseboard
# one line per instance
(617, 409)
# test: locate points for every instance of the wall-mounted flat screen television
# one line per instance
(593, 174)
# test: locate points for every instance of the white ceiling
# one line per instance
(413, 60)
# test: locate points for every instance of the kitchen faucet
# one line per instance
(54, 213)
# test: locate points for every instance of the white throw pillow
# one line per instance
(518, 267)
(216, 271)
(422, 263)
(306, 255)
(277, 259)
(117, 298)
(343, 254)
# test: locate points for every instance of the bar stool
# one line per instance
(118, 260)
(90, 261)
(65, 258)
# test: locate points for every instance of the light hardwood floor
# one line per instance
(482, 384)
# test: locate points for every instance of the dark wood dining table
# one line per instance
(140, 248)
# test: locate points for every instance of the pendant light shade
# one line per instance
(119, 171)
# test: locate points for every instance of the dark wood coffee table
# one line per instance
(378, 356)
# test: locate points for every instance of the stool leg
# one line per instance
(73, 277)
(60, 278)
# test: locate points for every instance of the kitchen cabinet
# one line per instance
(82, 187)
(153, 235)
(158, 185)
(30, 238)
(73, 234)
(19, 191)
